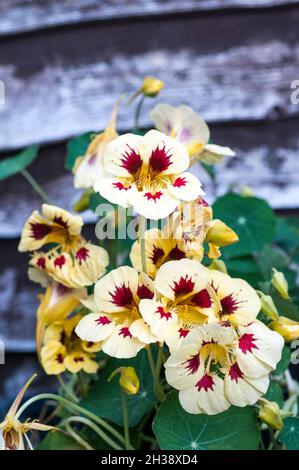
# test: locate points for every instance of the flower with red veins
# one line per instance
(90, 166)
(149, 173)
(188, 128)
(119, 324)
(182, 301)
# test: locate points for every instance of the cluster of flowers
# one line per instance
(220, 354)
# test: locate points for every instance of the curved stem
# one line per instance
(126, 421)
(66, 390)
(142, 228)
(157, 386)
(95, 428)
(137, 113)
(72, 406)
(35, 185)
(78, 438)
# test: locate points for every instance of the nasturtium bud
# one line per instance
(220, 234)
(270, 414)
(128, 380)
(268, 306)
(151, 86)
(280, 283)
(288, 329)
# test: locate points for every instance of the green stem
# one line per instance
(142, 228)
(157, 386)
(96, 429)
(72, 406)
(159, 360)
(137, 113)
(126, 421)
(66, 389)
(34, 184)
(82, 442)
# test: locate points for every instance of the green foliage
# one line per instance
(77, 147)
(233, 429)
(56, 440)
(275, 393)
(284, 361)
(13, 165)
(105, 398)
(290, 433)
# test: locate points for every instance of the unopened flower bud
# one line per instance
(288, 329)
(151, 86)
(128, 380)
(270, 414)
(268, 306)
(246, 191)
(220, 234)
(280, 283)
(218, 265)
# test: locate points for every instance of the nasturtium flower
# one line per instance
(72, 261)
(149, 173)
(13, 432)
(218, 366)
(64, 351)
(117, 322)
(188, 128)
(90, 166)
(188, 295)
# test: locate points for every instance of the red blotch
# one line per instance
(79, 359)
(184, 286)
(144, 292)
(122, 296)
(125, 332)
(90, 344)
(41, 262)
(40, 231)
(202, 299)
(163, 313)
(192, 364)
(82, 254)
(176, 254)
(59, 358)
(203, 202)
(229, 304)
(159, 160)
(183, 333)
(235, 373)
(59, 221)
(157, 254)
(60, 261)
(103, 320)
(179, 182)
(131, 161)
(246, 343)
(206, 383)
(120, 186)
(153, 197)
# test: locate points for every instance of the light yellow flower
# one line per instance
(188, 128)
(289, 329)
(73, 261)
(90, 167)
(64, 351)
(13, 432)
(149, 173)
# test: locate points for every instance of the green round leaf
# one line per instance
(275, 393)
(233, 429)
(290, 433)
(13, 165)
(105, 398)
(77, 147)
(284, 361)
(251, 218)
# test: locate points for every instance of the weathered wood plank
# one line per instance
(18, 16)
(65, 82)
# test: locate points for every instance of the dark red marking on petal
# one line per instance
(180, 182)
(125, 332)
(229, 304)
(160, 160)
(122, 296)
(78, 359)
(144, 292)
(103, 320)
(59, 358)
(206, 383)
(183, 332)
(120, 186)
(246, 343)
(163, 313)
(202, 299)
(153, 197)
(235, 373)
(60, 261)
(41, 262)
(39, 231)
(157, 254)
(192, 364)
(131, 161)
(82, 254)
(184, 286)
(59, 221)
(203, 202)
(176, 254)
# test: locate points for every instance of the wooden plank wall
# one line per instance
(65, 63)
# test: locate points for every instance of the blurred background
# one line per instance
(64, 63)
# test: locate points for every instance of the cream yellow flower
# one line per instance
(188, 128)
(117, 321)
(73, 261)
(289, 329)
(149, 173)
(64, 351)
(90, 167)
